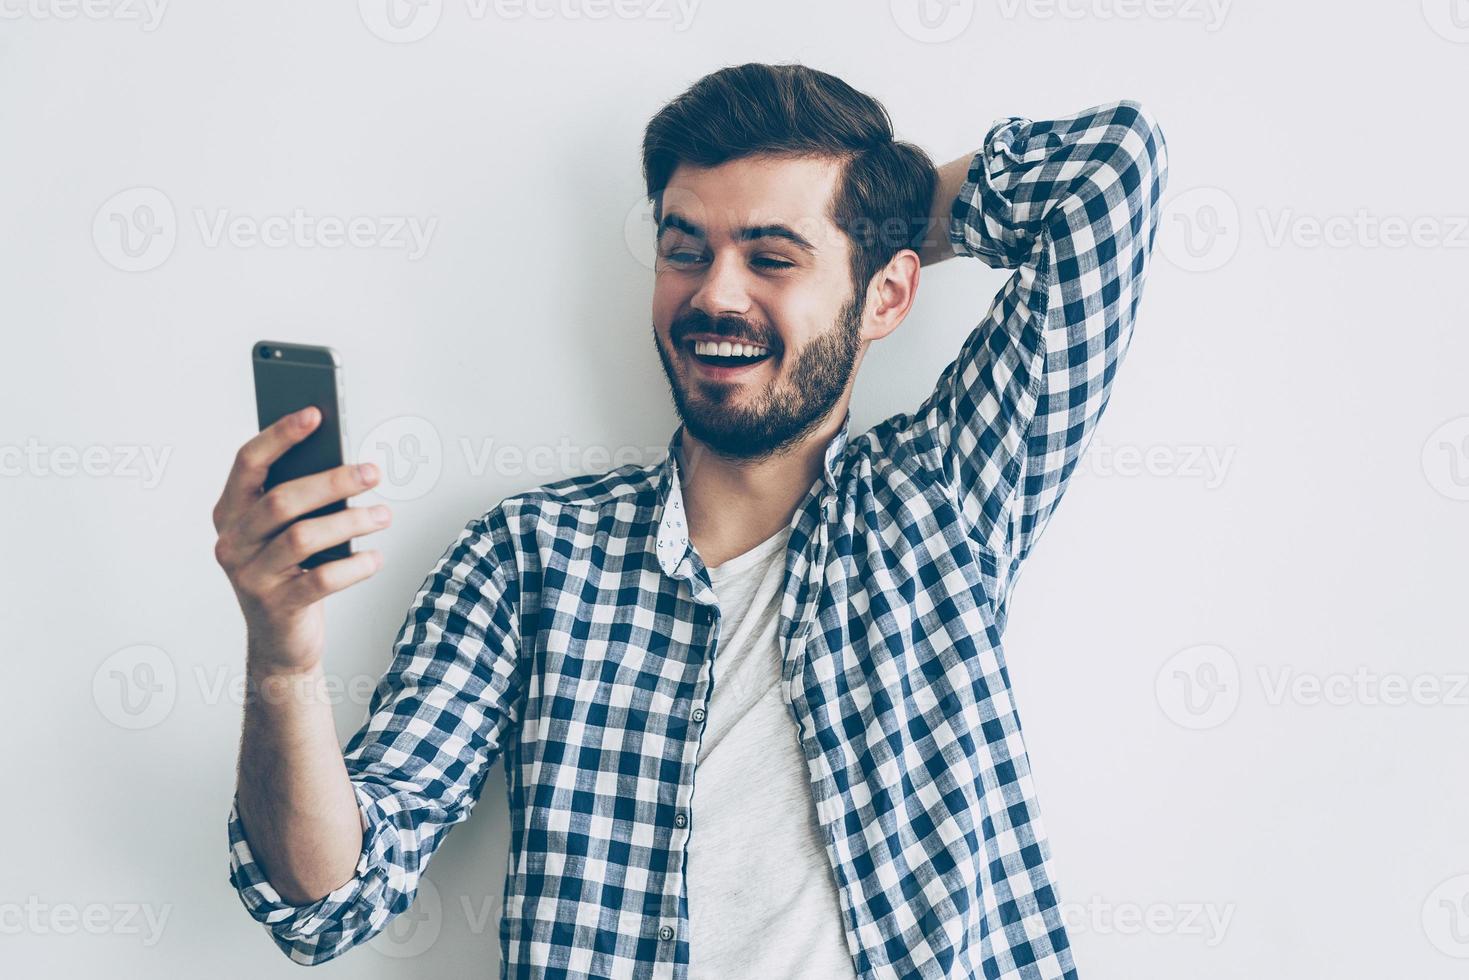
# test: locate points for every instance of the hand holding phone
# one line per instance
(288, 378)
(283, 523)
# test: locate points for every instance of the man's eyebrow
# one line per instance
(677, 222)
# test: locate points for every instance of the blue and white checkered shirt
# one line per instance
(573, 630)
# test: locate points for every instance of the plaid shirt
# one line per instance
(573, 629)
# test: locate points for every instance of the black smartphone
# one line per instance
(289, 377)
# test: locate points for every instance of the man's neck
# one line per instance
(733, 505)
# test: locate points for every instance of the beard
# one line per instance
(791, 406)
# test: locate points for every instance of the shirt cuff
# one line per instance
(314, 932)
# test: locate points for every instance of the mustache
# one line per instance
(731, 327)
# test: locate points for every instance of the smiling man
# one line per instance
(752, 699)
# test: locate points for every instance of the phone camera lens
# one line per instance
(265, 352)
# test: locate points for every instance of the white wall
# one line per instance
(1328, 537)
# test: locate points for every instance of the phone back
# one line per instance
(289, 377)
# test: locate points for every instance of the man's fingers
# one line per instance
(316, 583)
(287, 501)
(305, 538)
(253, 461)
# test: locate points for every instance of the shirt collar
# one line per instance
(673, 527)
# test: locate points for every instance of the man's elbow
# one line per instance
(1141, 138)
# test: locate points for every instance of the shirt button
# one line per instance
(666, 933)
(698, 714)
(680, 819)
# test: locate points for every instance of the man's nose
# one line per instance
(724, 288)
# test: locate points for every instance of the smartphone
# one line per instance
(289, 377)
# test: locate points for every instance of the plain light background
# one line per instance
(1238, 651)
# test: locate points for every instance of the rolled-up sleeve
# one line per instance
(437, 721)
(1072, 205)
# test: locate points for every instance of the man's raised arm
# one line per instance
(1072, 204)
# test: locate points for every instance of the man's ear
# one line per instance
(890, 295)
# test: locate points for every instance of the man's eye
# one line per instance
(688, 258)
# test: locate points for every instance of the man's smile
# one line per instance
(723, 359)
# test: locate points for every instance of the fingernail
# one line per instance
(379, 513)
(306, 416)
(367, 472)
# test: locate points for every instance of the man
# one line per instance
(752, 701)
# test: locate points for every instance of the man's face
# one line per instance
(747, 254)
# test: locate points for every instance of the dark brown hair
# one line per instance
(884, 190)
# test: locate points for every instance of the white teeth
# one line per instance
(727, 349)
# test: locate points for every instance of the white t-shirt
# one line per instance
(763, 897)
